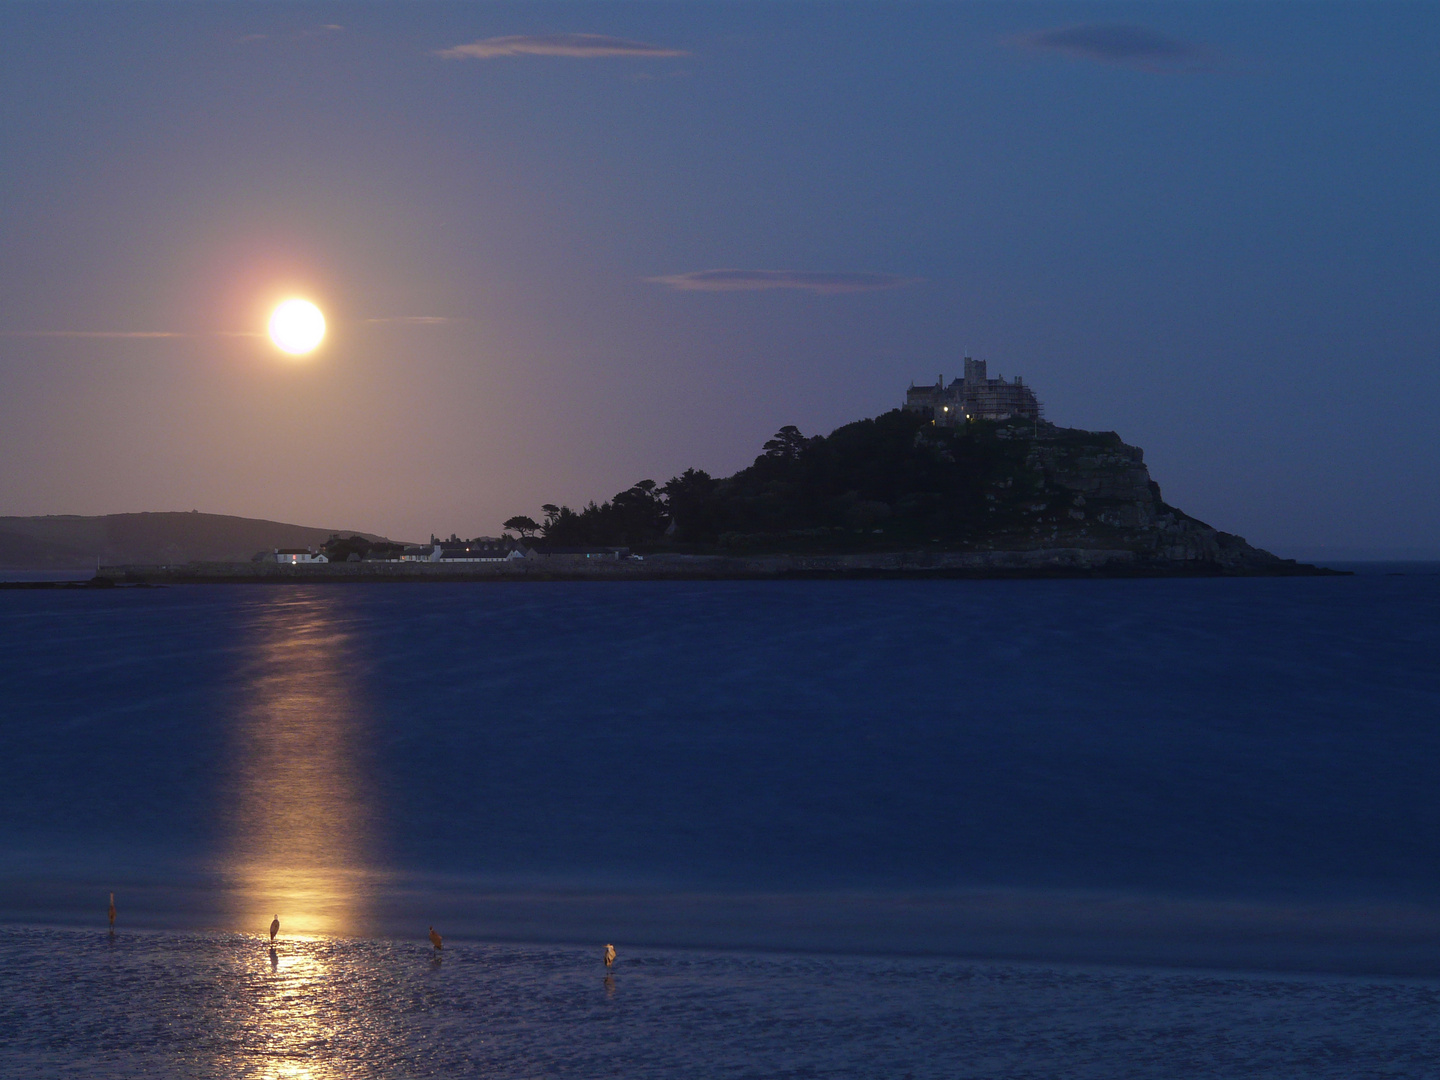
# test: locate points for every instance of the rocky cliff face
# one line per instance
(1108, 497)
(898, 483)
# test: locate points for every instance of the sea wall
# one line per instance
(1038, 562)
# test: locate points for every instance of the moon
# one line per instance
(297, 327)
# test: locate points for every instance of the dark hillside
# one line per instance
(71, 541)
(898, 482)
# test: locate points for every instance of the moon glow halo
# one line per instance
(297, 327)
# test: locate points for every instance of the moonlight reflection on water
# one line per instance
(1130, 771)
(302, 839)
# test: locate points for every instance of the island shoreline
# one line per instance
(1069, 563)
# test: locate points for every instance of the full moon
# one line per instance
(297, 326)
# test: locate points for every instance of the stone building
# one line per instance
(974, 397)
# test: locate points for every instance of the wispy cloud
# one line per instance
(753, 280)
(125, 334)
(323, 30)
(577, 46)
(122, 335)
(650, 76)
(1130, 46)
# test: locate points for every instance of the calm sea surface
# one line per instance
(944, 828)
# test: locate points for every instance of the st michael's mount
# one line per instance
(964, 479)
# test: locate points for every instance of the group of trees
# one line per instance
(894, 473)
(355, 548)
(636, 516)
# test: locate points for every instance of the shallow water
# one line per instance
(81, 1004)
(1229, 774)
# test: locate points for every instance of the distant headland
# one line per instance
(72, 541)
(966, 479)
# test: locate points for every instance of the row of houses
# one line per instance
(483, 550)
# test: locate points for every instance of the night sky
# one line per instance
(1214, 229)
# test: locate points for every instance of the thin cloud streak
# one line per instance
(299, 35)
(575, 46)
(414, 320)
(758, 280)
(1118, 44)
(123, 335)
(126, 334)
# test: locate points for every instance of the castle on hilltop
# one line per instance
(974, 397)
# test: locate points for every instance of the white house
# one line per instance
(291, 556)
(475, 551)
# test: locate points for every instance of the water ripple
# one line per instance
(184, 1005)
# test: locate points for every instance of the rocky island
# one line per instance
(902, 491)
(980, 487)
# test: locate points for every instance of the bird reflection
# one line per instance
(274, 959)
(609, 984)
(301, 835)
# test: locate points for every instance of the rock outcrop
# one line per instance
(898, 483)
(1111, 497)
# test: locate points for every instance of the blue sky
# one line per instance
(1212, 228)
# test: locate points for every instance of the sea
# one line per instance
(1051, 828)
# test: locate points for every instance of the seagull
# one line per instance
(609, 956)
(436, 940)
(111, 912)
(274, 928)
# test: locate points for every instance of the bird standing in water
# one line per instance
(436, 940)
(274, 928)
(111, 912)
(609, 956)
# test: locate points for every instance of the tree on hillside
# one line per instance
(637, 515)
(525, 526)
(788, 443)
(565, 526)
(690, 500)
